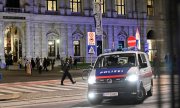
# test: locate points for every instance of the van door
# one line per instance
(143, 67)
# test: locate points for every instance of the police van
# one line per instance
(121, 74)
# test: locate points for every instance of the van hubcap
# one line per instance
(140, 94)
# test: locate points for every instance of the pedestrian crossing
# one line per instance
(40, 86)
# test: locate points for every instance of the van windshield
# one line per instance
(116, 61)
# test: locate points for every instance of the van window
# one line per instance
(143, 58)
(116, 61)
(142, 61)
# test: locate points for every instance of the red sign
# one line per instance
(131, 41)
(91, 38)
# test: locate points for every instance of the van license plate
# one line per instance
(110, 94)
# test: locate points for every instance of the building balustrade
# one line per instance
(10, 9)
(52, 12)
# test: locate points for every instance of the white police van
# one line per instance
(121, 74)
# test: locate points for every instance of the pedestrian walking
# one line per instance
(37, 62)
(52, 63)
(25, 62)
(45, 64)
(20, 63)
(155, 65)
(66, 67)
(166, 58)
(28, 68)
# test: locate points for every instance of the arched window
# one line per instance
(12, 3)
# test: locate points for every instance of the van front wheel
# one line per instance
(140, 95)
(150, 92)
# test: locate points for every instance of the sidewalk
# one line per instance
(9, 76)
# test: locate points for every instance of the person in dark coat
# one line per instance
(37, 62)
(32, 63)
(45, 64)
(66, 67)
(40, 67)
(52, 63)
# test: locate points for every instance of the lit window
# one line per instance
(150, 7)
(120, 7)
(52, 5)
(75, 5)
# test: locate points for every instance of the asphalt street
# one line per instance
(74, 96)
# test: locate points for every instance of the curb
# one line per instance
(9, 96)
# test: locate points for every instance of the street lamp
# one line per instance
(58, 41)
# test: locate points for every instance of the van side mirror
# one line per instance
(143, 65)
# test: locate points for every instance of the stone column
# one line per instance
(63, 42)
(87, 55)
(86, 7)
(108, 5)
(1, 5)
(43, 6)
(114, 12)
(144, 9)
(115, 37)
(35, 7)
(37, 32)
(2, 43)
(83, 42)
(44, 42)
(70, 43)
(129, 8)
(23, 31)
(110, 36)
(143, 37)
(62, 7)
(68, 8)
(134, 9)
(131, 31)
(91, 7)
(28, 40)
(32, 34)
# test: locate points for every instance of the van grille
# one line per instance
(110, 80)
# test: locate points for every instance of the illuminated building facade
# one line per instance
(53, 28)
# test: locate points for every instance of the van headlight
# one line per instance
(91, 80)
(132, 78)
